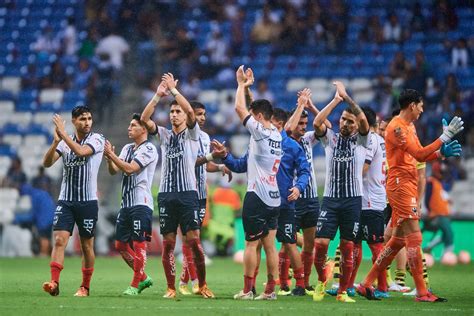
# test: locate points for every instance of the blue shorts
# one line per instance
(307, 213)
(178, 209)
(286, 232)
(83, 214)
(257, 217)
(342, 213)
(372, 226)
(134, 223)
(202, 210)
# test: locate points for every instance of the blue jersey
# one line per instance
(293, 161)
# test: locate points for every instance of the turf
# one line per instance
(21, 293)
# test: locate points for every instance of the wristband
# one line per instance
(209, 157)
(174, 92)
(156, 98)
(221, 167)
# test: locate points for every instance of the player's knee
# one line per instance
(60, 241)
(120, 246)
(321, 241)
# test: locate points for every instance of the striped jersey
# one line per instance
(345, 158)
(80, 173)
(201, 173)
(308, 141)
(375, 196)
(265, 153)
(136, 187)
(179, 154)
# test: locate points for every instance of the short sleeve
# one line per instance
(371, 148)
(96, 142)
(328, 138)
(162, 134)
(60, 147)
(145, 155)
(311, 138)
(206, 143)
(255, 128)
(194, 132)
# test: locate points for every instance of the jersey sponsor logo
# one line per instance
(274, 194)
(74, 161)
(174, 152)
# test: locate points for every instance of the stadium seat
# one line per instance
(318, 84)
(11, 84)
(21, 118)
(7, 107)
(14, 140)
(24, 204)
(239, 144)
(5, 163)
(208, 96)
(296, 84)
(358, 84)
(51, 95)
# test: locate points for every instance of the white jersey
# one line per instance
(80, 173)
(201, 173)
(179, 153)
(345, 158)
(265, 153)
(374, 197)
(308, 141)
(136, 187)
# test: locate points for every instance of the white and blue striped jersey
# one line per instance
(374, 197)
(136, 187)
(79, 182)
(345, 158)
(308, 141)
(201, 173)
(265, 153)
(179, 154)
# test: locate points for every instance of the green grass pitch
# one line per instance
(21, 293)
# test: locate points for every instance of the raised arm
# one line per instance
(111, 166)
(294, 119)
(126, 167)
(147, 113)
(321, 117)
(362, 120)
(78, 149)
(183, 103)
(240, 107)
(249, 82)
(52, 155)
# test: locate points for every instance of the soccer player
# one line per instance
(292, 163)
(204, 164)
(342, 201)
(307, 206)
(177, 199)
(403, 151)
(137, 161)
(77, 204)
(260, 209)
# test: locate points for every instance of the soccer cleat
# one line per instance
(381, 294)
(145, 284)
(284, 291)
(170, 293)
(332, 291)
(344, 298)
(244, 296)
(394, 287)
(430, 297)
(183, 289)
(266, 297)
(319, 292)
(195, 288)
(130, 291)
(206, 292)
(309, 290)
(351, 291)
(410, 293)
(51, 287)
(254, 290)
(82, 292)
(367, 292)
(298, 291)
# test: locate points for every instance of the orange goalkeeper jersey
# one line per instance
(403, 152)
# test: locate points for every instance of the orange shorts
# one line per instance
(404, 206)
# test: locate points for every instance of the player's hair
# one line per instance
(370, 115)
(174, 102)
(303, 114)
(408, 96)
(263, 107)
(137, 117)
(395, 113)
(280, 115)
(79, 110)
(197, 105)
(349, 110)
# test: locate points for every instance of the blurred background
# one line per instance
(110, 55)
